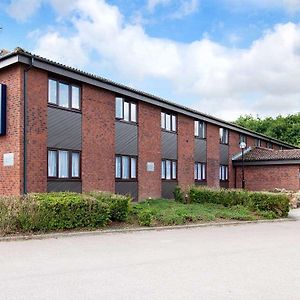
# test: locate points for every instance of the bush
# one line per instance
(145, 217)
(278, 204)
(178, 195)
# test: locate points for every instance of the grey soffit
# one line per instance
(25, 57)
(64, 186)
(64, 129)
(267, 162)
(127, 188)
(126, 138)
(167, 189)
(200, 150)
(168, 145)
(224, 154)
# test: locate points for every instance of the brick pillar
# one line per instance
(149, 147)
(213, 156)
(234, 148)
(11, 182)
(37, 87)
(98, 139)
(186, 146)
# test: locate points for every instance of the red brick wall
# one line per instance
(259, 178)
(186, 145)
(149, 146)
(11, 178)
(98, 139)
(234, 148)
(213, 155)
(250, 141)
(37, 98)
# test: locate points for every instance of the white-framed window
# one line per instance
(223, 173)
(243, 139)
(199, 171)
(258, 142)
(224, 135)
(126, 167)
(168, 122)
(168, 169)
(269, 145)
(200, 129)
(126, 110)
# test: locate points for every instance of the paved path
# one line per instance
(254, 261)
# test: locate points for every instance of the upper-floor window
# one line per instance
(200, 129)
(63, 164)
(126, 167)
(168, 121)
(126, 110)
(269, 145)
(63, 94)
(223, 173)
(258, 142)
(199, 171)
(243, 139)
(168, 169)
(224, 136)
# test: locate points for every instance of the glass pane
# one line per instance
(168, 122)
(52, 91)
(75, 97)
(63, 164)
(202, 130)
(174, 123)
(119, 108)
(199, 172)
(75, 164)
(126, 111)
(118, 167)
(168, 169)
(226, 173)
(133, 168)
(174, 173)
(203, 172)
(125, 167)
(220, 173)
(226, 136)
(133, 112)
(196, 128)
(163, 170)
(63, 95)
(195, 172)
(162, 120)
(52, 160)
(221, 134)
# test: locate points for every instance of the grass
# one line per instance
(167, 212)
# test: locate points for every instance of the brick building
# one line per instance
(64, 129)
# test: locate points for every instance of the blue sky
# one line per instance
(223, 57)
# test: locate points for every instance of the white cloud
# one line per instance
(21, 10)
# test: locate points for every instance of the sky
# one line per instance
(222, 57)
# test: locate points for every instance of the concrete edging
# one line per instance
(129, 230)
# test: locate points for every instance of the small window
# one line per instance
(52, 163)
(133, 112)
(269, 145)
(168, 122)
(168, 169)
(75, 97)
(63, 92)
(63, 164)
(200, 171)
(258, 142)
(223, 173)
(126, 110)
(126, 167)
(200, 129)
(52, 91)
(75, 164)
(119, 108)
(243, 139)
(223, 136)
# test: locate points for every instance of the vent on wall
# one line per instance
(2, 109)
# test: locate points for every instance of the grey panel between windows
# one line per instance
(168, 145)
(64, 129)
(224, 184)
(64, 186)
(200, 150)
(167, 189)
(130, 188)
(200, 183)
(126, 138)
(224, 154)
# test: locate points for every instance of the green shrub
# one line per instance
(178, 195)
(145, 217)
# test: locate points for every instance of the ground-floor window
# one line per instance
(224, 173)
(64, 164)
(168, 169)
(200, 171)
(126, 167)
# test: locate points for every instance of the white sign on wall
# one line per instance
(8, 159)
(150, 166)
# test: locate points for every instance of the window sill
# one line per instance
(127, 122)
(52, 105)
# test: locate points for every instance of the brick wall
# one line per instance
(259, 178)
(37, 97)
(11, 178)
(186, 145)
(149, 147)
(213, 155)
(98, 139)
(234, 148)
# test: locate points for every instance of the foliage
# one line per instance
(145, 217)
(286, 129)
(178, 195)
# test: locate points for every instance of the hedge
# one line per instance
(277, 204)
(53, 211)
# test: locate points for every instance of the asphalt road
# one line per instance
(253, 261)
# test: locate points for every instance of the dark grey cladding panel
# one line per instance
(168, 145)
(126, 138)
(127, 188)
(224, 184)
(64, 129)
(167, 189)
(200, 183)
(200, 150)
(224, 154)
(64, 186)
